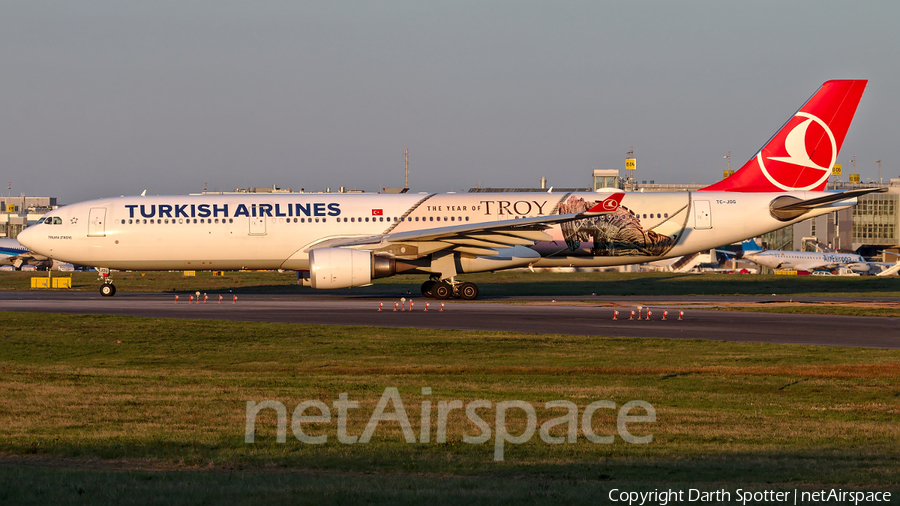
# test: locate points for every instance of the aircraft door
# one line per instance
(97, 222)
(257, 225)
(702, 215)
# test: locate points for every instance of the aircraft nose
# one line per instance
(28, 238)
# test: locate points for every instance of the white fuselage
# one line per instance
(277, 231)
(806, 260)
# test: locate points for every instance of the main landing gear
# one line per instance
(449, 289)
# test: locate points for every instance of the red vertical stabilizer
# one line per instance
(800, 156)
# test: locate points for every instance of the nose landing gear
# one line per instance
(107, 289)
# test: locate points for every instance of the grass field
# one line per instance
(97, 409)
(524, 283)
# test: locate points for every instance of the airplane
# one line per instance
(347, 240)
(13, 253)
(804, 260)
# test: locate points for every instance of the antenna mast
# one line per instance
(406, 185)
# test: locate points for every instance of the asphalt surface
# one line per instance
(530, 315)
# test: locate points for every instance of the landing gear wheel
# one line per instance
(442, 290)
(107, 289)
(468, 291)
(428, 288)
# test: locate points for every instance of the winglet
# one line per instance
(608, 205)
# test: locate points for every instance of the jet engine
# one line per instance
(860, 267)
(344, 267)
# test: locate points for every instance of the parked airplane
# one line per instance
(804, 260)
(345, 240)
(13, 253)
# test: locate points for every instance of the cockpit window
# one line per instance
(41, 220)
(57, 220)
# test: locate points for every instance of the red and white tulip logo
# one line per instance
(802, 159)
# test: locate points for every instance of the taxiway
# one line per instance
(530, 316)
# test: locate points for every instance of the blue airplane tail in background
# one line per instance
(750, 245)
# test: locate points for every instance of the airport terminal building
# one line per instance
(16, 213)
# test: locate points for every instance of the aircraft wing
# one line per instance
(472, 238)
(730, 255)
(29, 258)
(13, 253)
(811, 266)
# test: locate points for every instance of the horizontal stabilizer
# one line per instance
(787, 208)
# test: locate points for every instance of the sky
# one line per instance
(108, 98)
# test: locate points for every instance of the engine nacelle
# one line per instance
(860, 267)
(343, 267)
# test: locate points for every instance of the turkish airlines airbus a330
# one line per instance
(346, 240)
